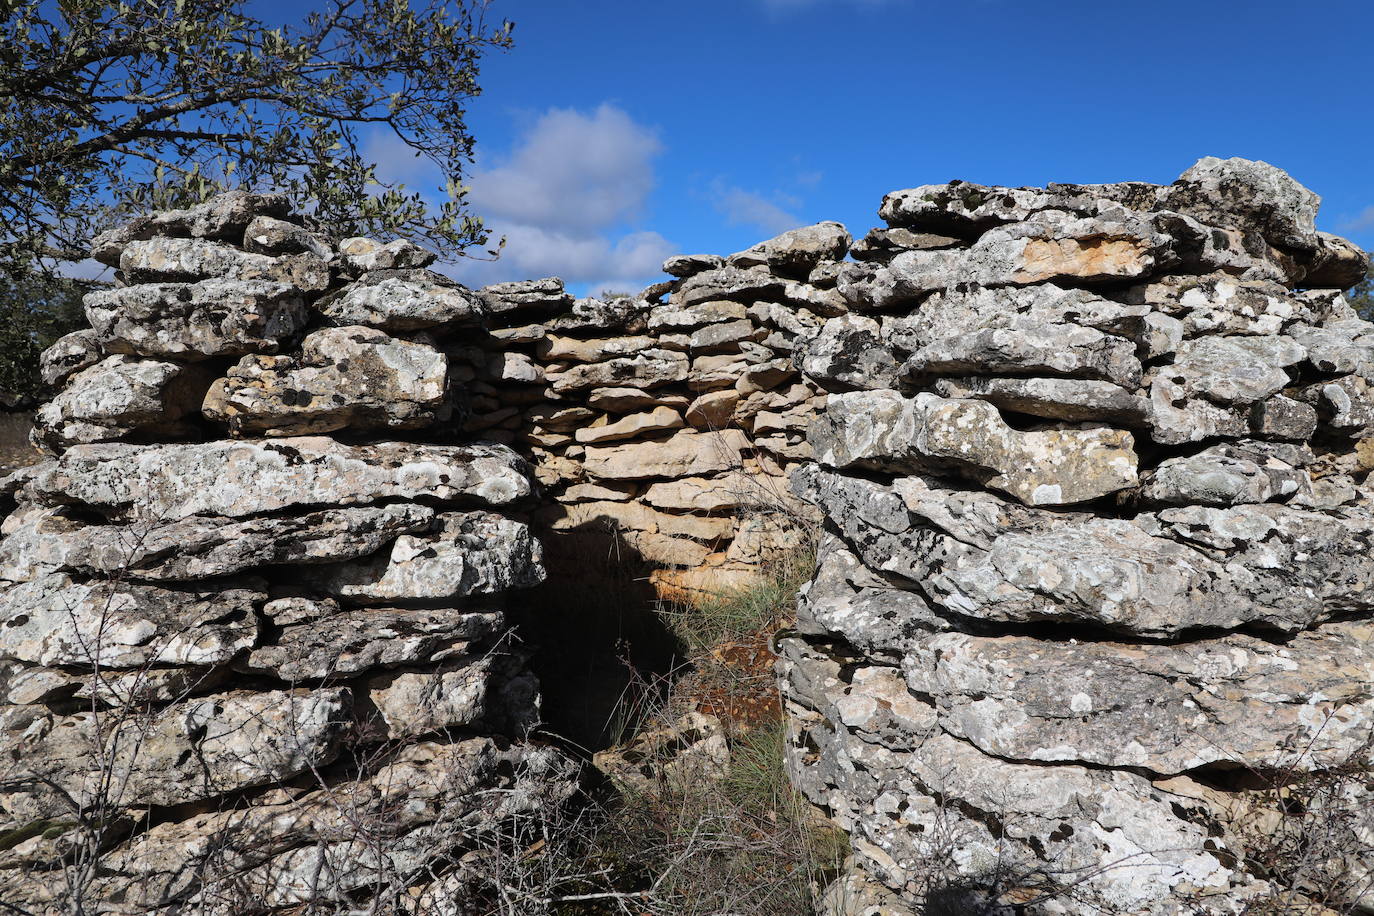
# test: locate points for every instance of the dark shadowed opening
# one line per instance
(603, 655)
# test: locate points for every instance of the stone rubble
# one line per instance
(238, 650)
(1095, 570)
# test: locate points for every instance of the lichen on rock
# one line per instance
(1095, 575)
(229, 659)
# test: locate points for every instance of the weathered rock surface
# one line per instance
(361, 255)
(462, 692)
(228, 665)
(592, 351)
(1170, 605)
(189, 321)
(202, 547)
(847, 353)
(1056, 350)
(469, 553)
(1183, 569)
(192, 751)
(797, 252)
(1226, 475)
(403, 300)
(882, 244)
(962, 207)
(846, 598)
(225, 216)
(354, 377)
(684, 265)
(729, 283)
(352, 642)
(55, 621)
(239, 479)
(269, 235)
(906, 279)
(1248, 195)
(630, 426)
(869, 739)
(1086, 250)
(1220, 303)
(727, 491)
(598, 316)
(546, 295)
(1094, 563)
(1053, 398)
(685, 454)
(951, 313)
(885, 431)
(160, 259)
(1237, 701)
(646, 370)
(690, 317)
(118, 397)
(68, 355)
(1337, 264)
(623, 400)
(712, 410)
(1233, 370)
(272, 854)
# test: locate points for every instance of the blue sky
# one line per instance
(617, 132)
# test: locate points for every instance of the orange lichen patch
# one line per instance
(703, 583)
(1364, 454)
(740, 691)
(1091, 258)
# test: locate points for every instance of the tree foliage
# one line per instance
(34, 312)
(1361, 296)
(111, 108)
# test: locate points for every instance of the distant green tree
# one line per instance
(34, 312)
(1361, 296)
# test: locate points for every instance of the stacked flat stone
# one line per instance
(673, 417)
(1096, 584)
(253, 648)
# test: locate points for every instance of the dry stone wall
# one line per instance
(1091, 626)
(283, 512)
(673, 417)
(254, 652)
(1092, 589)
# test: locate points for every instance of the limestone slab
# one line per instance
(237, 479)
(882, 429)
(348, 377)
(687, 453)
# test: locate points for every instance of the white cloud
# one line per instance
(565, 199)
(396, 163)
(535, 251)
(750, 208)
(1363, 222)
(572, 171)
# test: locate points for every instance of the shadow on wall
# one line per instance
(601, 651)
